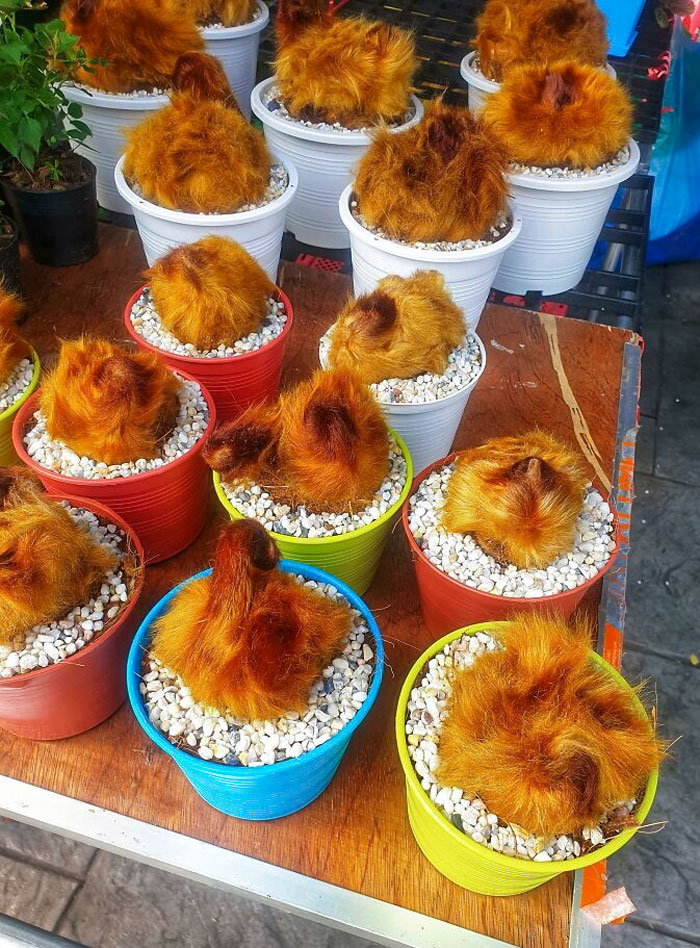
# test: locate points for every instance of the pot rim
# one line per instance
(545, 869)
(192, 761)
(541, 601)
(352, 138)
(427, 255)
(591, 182)
(194, 362)
(85, 163)
(28, 392)
(29, 407)
(115, 100)
(105, 512)
(210, 221)
(338, 537)
(213, 33)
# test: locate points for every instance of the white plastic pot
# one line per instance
(259, 231)
(562, 219)
(480, 88)
(429, 429)
(108, 117)
(468, 273)
(325, 161)
(236, 48)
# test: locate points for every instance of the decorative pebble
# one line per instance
(334, 700)
(138, 94)
(147, 323)
(468, 812)
(271, 99)
(257, 503)
(48, 643)
(608, 167)
(464, 367)
(279, 182)
(191, 424)
(462, 558)
(17, 383)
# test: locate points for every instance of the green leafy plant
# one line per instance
(37, 122)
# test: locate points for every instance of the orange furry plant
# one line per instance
(249, 639)
(225, 12)
(519, 497)
(546, 737)
(13, 347)
(210, 292)
(406, 326)
(442, 179)
(198, 154)
(330, 69)
(48, 564)
(561, 115)
(325, 444)
(107, 403)
(139, 41)
(511, 32)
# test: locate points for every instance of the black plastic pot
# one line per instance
(10, 269)
(59, 227)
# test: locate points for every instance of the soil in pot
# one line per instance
(56, 208)
(10, 267)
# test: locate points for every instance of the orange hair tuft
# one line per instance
(202, 77)
(211, 12)
(13, 348)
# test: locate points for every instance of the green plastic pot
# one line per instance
(472, 865)
(7, 452)
(352, 557)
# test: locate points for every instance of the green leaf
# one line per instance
(8, 141)
(74, 110)
(30, 130)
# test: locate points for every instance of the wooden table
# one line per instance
(349, 858)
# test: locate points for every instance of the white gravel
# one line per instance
(462, 558)
(220, 26)
(14, 387)
(47, 644)
(138, 94)
(334, 700)
(147, 323)
(57, 456)
(464, 367)
(608, 167)
(271, 99)
(499, 229)
(426, 711)
(299, 522)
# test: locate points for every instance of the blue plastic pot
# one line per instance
(273, 790)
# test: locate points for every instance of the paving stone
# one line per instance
(31, 894)
(660, 870)
(682, 292)
(663, 592)
(631, 935)
(677, 441)
(123, 904)
(56, 852)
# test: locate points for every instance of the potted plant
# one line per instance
(408, 342)
(19, 372)
(211, 311)
(474, 713)
(50, 188)
(432, 197)
(197, 167)
(10, 266)
(67, 622)
(118, 426)
(256, 744)
(512, 525)
(567, 129)
(320, 108)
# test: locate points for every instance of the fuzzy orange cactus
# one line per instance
(519, 497)
(561, 115)
(13, 348)
(512, 32)
(353, 71)
(140, 42)
(440, 180)
(547, 738)
(249, 639)
(198, 154)
(108, 403)
(406, 326)
(225, 12)
(210, 292)
(48, 563)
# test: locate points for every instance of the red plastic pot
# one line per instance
(81, 690)
(167, 507)
(448, 604)
(234, 382)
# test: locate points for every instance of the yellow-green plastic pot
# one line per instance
(7, 452)
(473, 865)
(352, 557)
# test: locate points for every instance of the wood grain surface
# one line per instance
(561, 374)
